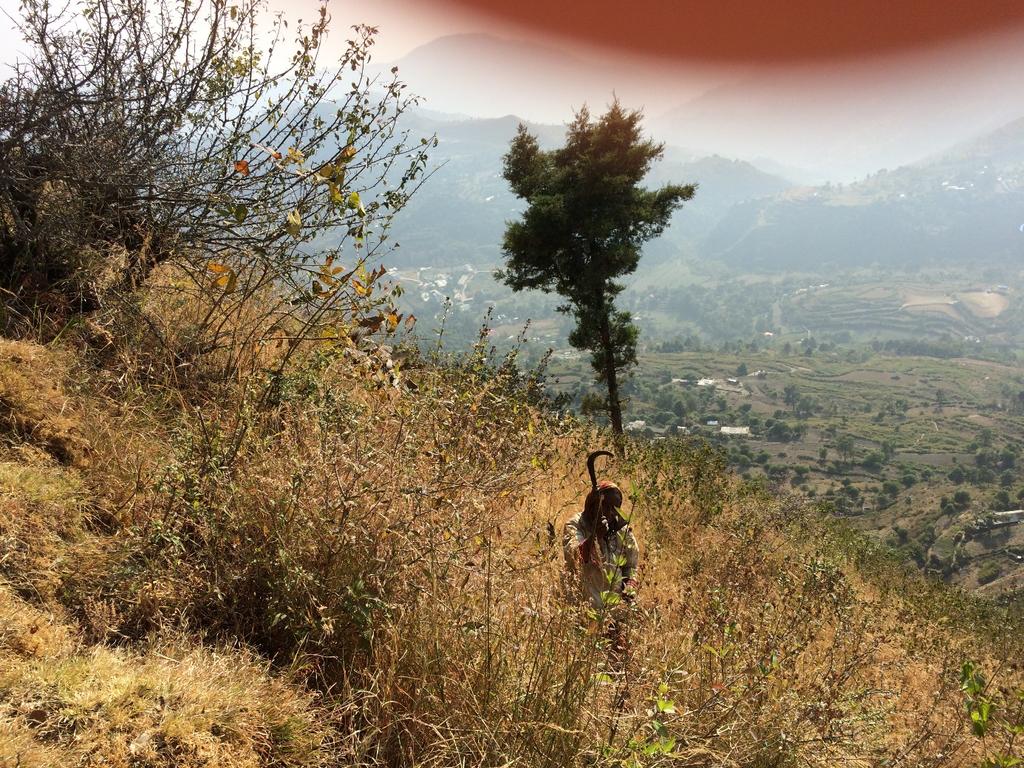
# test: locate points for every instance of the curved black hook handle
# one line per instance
(590, 466)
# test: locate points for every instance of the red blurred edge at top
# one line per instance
(776, 31)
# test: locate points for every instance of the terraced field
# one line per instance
(902, 307)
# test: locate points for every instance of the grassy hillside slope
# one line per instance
(337, 571)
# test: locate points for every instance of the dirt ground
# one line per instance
(985, 303)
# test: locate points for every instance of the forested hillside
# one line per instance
(963, 206)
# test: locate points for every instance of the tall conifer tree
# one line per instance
(586, 220)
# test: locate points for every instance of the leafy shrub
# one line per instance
(138, 132)
(874, 461)
(995, 717)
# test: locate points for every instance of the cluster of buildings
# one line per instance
(639, 425)
(809, 288)
(435, 285)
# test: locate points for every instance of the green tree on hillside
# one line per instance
(805, 407)
(845, 447)
(791, 394)
(586, 220)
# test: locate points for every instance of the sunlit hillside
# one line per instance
(266, 501)
(365, 573)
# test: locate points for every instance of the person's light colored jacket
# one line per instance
(597, 560)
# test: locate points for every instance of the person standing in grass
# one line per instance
(600, 550)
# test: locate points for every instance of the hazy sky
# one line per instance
(406, 24)
(889, 78)
(701, 34)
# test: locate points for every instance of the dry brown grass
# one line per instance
(771, 653)
(44, 502)
(33, 407)
(392, 550)
(43, 514)
(61, 701)
(28, 631)
(161, 707)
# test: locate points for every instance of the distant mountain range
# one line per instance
(953, 145)
(964, 205)
(840, 127)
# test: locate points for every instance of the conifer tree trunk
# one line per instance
(614, 406)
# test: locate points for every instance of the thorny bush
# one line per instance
(140, 131)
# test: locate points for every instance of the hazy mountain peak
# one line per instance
(844, 122)
(1004, 145)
